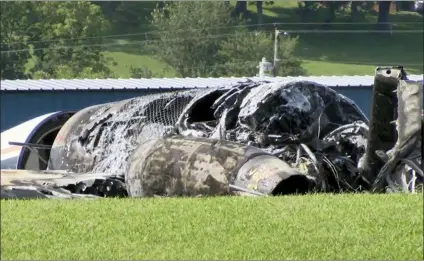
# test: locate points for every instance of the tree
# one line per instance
(189, 35)
(240, 8)
(332, 8)
(243, 52)
(69, 36)
(15, 20)
(357, 9)
(306, 8)
(108, 7)
(259, 9)
(383, 15)
(198, 39)
(127, 16)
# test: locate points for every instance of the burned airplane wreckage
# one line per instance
(257, 138)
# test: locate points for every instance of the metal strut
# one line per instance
(33, 148)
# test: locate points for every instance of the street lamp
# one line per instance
(276, 36)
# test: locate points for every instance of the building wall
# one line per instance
(20, 106)
(362, 96)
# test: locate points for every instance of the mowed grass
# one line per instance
(350, 227)
(126, 60)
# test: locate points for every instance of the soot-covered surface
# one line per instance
(291, 121)
(103, 139)
(294, 121)
(299, 122)
(305, 128)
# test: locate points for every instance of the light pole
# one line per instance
(277, 33)
(274, 69)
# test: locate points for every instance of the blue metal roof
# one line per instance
(180, 83)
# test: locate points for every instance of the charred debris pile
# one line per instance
(256, 138)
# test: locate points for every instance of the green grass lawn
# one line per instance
(324, 53)
(126, 60)
(343, 227)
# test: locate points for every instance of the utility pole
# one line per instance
(276, 34)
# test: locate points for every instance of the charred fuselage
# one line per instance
(276, 118)
(256, 138)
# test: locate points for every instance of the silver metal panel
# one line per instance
(180, 83)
